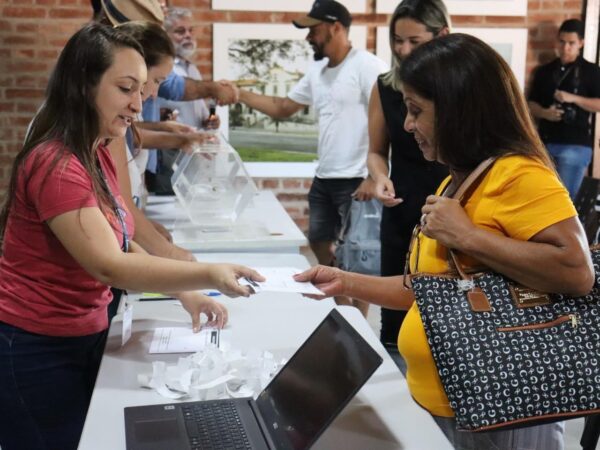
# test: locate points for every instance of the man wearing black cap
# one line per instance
(338, 85)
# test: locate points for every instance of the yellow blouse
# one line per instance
(518, 197)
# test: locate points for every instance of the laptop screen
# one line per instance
(317, 383)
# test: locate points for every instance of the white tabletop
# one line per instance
(263, 226)
(383, 415)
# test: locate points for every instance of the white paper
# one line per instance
(213, 373)
(183, 339)
(127, 322)
(280, 279)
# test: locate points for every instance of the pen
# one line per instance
(151, 299)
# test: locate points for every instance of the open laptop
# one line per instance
(290, 413)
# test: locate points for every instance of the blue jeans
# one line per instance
(46, 384)
(572, 162)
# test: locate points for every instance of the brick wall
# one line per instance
(32, 33)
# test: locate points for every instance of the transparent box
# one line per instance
(212, 185)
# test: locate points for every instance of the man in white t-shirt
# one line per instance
(338, 86)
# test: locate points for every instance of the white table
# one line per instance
(383, 415)
(264, 226)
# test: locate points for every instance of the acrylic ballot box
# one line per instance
(212, 185)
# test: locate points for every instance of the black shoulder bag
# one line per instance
(508, 355)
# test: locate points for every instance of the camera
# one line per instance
(569, 112)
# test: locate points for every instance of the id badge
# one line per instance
(127, 322)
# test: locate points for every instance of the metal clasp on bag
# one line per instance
(574, 320)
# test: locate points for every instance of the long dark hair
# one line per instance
(155, 41)
(157, 45)
(480, 111)
(68, 114)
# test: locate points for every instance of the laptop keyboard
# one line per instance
(215, 425)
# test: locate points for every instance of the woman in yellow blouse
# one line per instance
(464, 106)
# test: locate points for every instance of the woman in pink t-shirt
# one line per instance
(66, 238)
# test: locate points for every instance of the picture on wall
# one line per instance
(357, 6)
(511, 43)
(267, 59)
(469, 7)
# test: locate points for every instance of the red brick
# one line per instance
(20, 40)
(27, 28)
(292, 184)
(285, 197)
(27, 107)
(22, 53)
(27, 66)
(48, 54)
(29, 13)
(7, 106)
(572, 5)
(459, 21)
(24, 93)
(307, 184)
(508, 21)
(21, 120)
(6, 133)
(270, 184)
(70, 13)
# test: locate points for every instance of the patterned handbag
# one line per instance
(508, 355)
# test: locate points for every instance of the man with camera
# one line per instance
(563, 95)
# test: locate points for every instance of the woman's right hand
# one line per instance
(329, 280)
(224, 278)
(385, 193)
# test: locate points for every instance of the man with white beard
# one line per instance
(178, 23)
(196, 113)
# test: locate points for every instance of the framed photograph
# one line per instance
(268, 59)
(511, 43)
(469, 7)
(357, 6)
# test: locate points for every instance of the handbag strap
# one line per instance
(469, 182)
(472, 180)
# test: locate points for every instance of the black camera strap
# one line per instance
(574, 66)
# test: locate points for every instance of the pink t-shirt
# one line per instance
(42, 288)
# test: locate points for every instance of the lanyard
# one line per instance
(120, 213)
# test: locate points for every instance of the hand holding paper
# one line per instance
(280, 279)
(330, 281)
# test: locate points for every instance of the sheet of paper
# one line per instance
(280, 279)
(127, 321)
(183, 339)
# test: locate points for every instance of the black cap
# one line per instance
(328, 11)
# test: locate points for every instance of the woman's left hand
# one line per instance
(161, 230)
(445, 220)
(196, 303)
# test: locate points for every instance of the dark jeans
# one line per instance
(328, 202)
(46, 384)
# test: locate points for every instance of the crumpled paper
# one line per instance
(213, 373)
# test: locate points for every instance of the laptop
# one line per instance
(305, 396)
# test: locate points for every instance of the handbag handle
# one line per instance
(470, 181)
(459, 195)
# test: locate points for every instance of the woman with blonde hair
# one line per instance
(403, 178)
